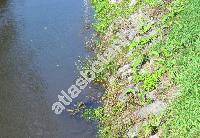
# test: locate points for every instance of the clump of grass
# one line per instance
(152, 80)
(93, 114)
(106, 13)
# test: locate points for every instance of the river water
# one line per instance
(40, 40)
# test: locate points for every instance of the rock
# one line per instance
(129, 54)
(152, 95)
(133, 131)
(132, 34)
(124, 68)
(123, 97)
(133, 2)
(127, 73)
(127, 34)
(152, 109)
(154, 136)
(115, 1)
(130, 79)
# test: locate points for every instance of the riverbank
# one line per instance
(147, 88)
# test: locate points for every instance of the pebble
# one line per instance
(154, 136)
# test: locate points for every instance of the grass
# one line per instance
(181, 51)
(178, 54)
(106, 13)
(183, 119)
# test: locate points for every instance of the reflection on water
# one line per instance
(39, 43)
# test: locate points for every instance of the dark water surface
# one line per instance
(39, 42)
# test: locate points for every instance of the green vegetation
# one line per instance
(175, 53)
(183, 118)
(182, 58)
(153, 2)
(106, 13)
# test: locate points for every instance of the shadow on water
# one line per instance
(39, 43)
